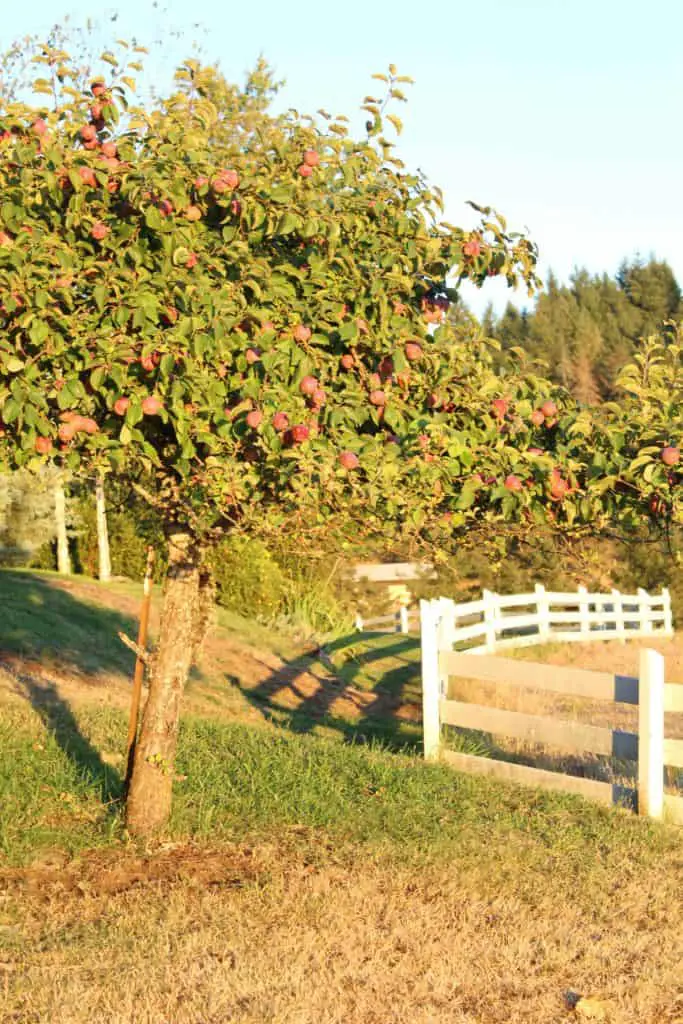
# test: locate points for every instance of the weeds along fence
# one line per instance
(498, 621)
(649, 747)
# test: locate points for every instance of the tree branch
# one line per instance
(144, 656)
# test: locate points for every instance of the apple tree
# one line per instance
(244, 316)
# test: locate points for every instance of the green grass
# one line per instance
(42, 622)
(240, 782)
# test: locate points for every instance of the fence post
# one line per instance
(619, 629)
(543, 611)
(490, 609)
(403, 618)
(644, 610)
(651, 734)
(359, 623)
(668, 618)
(431, 681)
(584, 613)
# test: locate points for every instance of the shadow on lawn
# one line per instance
(41, 620)
(386, 712)
(60, 720)
(43, 623)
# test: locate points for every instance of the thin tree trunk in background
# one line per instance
(63, 556)
(104, 571)
(149, 797)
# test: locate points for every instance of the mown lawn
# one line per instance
(308, 878)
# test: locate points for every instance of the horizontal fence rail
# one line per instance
(648, 748)
(497, 621)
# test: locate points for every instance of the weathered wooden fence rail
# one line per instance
(497, 621)
(648, 748)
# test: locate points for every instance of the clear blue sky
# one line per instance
(562, 114)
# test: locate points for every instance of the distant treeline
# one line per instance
(588, 329)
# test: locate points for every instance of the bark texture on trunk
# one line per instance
(104, 566)
(149, 796)
(63, 556)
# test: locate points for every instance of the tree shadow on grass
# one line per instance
(41, 621)
(58, 718)
(300, 697)
(44, 628)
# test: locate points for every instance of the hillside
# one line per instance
(383, 889)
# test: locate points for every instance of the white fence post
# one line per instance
(403, 616)
(644, 620)
(543, 611)
(584, 614)
(619, 628)
(430, 612)
(668, 618)
(651, 734)
(490, 610)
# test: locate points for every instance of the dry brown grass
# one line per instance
(274, 935)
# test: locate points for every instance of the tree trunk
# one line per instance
(63, 557)
(104, 571)
(149, 798)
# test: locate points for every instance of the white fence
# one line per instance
(515, 620)
(649, 748)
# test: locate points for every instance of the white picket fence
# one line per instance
(649, 747)
(515, 620)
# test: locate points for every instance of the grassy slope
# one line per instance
(384, 889)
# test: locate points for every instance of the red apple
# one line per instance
(499, 407)
(98, 88)
(121, 405)
(299, 433)
(193, 213)
(254, 418)
(192, 260)
(513, 483)
(109, 149)
(151, 405)
(149, 362)
(305, 171)
(549, 408)
(165, 207)
(5, 239)
(347, 361)
(252, 355)
(535, 451)
(308, 386)
(267, 325)
(88, 132)
(43, 445)
(67, 431)
(89, 425)
(472, 248)
(537, 418)
(235, 207)
(378, 397)
(39, 126)
(99, 231)
(201, 182)
(671, 456)
(311, 157)
(280, 421)
(348, 460)
(318, 397)
(302, 333)
(87, 176)
(231, 178)
(413, 351)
